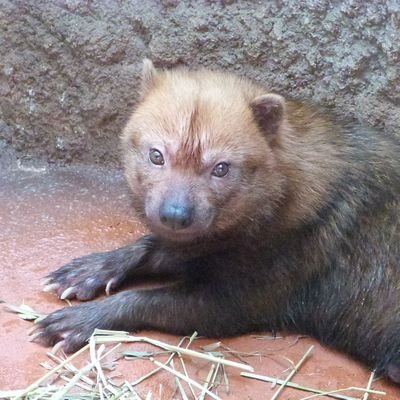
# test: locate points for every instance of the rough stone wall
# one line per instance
(69, 68)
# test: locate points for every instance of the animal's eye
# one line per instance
(156, 157)
(220, 170)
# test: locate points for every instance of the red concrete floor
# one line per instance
(49, 215)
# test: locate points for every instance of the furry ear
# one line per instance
(149, 74)
(269, 111)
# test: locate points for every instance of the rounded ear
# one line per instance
(269, 111)
(149, 74)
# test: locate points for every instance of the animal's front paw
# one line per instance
(72, 326)
(83, 278)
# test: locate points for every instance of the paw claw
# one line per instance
(67, 293)
(51, 288)
(39, 319)
(32, 330)
(34, 336)
(109, 285)
(57, 347)
(47, 281)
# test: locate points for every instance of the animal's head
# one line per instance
(199, 152)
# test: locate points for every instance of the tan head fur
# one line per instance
(199, 121)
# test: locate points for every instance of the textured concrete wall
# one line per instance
(69, 68)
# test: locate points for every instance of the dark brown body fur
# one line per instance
(302, 234)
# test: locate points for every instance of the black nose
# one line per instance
(175, 215)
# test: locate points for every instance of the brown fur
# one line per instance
(268, 213)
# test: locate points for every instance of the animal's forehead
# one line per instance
(206, 126)
(205, 114)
